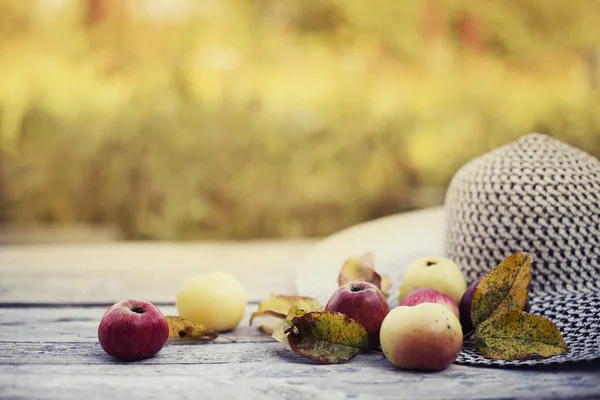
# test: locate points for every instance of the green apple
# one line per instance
(427, 336)
(217, 300)
(437, 273)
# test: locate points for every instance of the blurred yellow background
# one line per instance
(237, 119)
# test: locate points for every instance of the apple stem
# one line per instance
(138, 310)
(430, 263)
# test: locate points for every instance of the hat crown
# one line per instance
(538, 195)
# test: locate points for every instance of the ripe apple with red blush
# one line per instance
(132, 330)
(427, 336)
(427, 295)
(364, 303)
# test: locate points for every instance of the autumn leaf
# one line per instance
(283, 303)
(362, 269)
(266, 313)
(281, 333)
(183, 328)
(327, 337)
(517, 335)
(321, 351)
(278, 306)
(505, 288)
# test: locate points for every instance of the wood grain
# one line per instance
(53, 353)
(80, 324)
(260, 370)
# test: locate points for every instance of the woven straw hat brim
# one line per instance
(577, 317)
(541, 196)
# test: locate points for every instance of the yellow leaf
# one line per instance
(505, 288)
(183, 328)
(278, 306)
(283, 303)
(517, 335)
(265, 313)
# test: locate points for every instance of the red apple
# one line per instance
(427, 295)
(364, 303)
(132, 330)
(465, 306)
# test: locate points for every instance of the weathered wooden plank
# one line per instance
(259, 370)
(153, 271)
(90, 352)
(108, 272)
(43, 350)
(41, 233)
(73, 324)
(54, 353)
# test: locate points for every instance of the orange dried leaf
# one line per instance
(278, 306)
(183, 328)
(356, 269)
(266, 313)
(362, 269)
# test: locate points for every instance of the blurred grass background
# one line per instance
(236, 119)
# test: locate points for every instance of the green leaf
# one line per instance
(517, 335)
(278, 306)
(505, 288)
(327, 337)
(183, 328)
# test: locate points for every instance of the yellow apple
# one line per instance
(427, 336)
(437, 273)
(216, 300)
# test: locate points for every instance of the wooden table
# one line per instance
(53, 296)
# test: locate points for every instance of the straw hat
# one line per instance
(542, 196)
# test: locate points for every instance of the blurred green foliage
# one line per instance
(275, 118)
